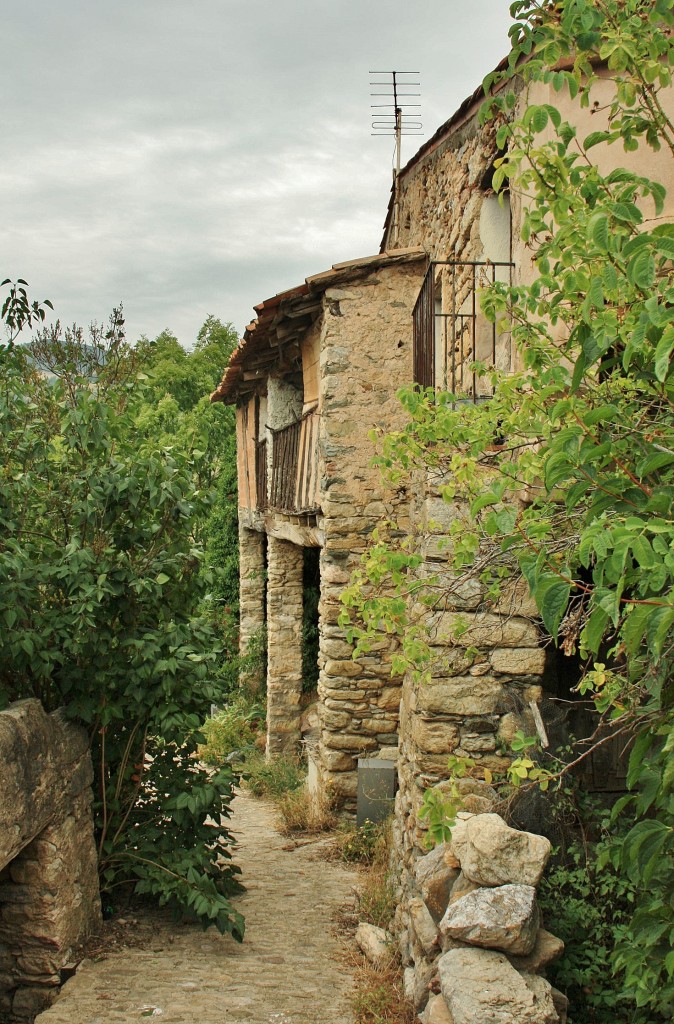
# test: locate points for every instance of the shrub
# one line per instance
(365, 844)
(235, 728)
(100, 587)
(370, 844)
(379, 997)
(274, 777)
(588, 906)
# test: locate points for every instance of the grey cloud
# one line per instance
(196, 157)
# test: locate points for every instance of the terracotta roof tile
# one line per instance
(289, 306)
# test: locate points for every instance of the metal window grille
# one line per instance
(451, 333)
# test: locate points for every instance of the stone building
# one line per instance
(316, 370)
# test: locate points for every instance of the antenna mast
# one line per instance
(393, 118)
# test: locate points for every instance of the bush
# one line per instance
(370, 844)
(275, 777)
(100, 586)
(365, 844)
(379, 997)
(588, 907)
(235, 728)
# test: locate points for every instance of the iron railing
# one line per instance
(294, 466)
(451, 333)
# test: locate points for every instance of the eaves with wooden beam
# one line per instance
(272, 339)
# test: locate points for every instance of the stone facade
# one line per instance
(338, 371)
(49, 900)
(252, 614)
(366, 355)
(284, 649)
(446, 202)
(489, 662)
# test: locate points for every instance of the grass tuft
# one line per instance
(379, 996)
(304, 812)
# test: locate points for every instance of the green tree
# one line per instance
(176, 409)
(587, 427)
(18, 311)
(100, 588)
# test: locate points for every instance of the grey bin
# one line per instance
(377, 780)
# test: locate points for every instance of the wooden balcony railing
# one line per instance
(261, 474)
(294, 475)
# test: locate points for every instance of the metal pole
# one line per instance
(396, 173)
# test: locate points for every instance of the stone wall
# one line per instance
(252, 596)
(484, 679)
(473, 942)
(49, 900)
(284, 645)
(442, 194)
(366, 355)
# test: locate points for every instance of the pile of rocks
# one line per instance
(474, 941)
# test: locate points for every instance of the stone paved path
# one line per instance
(286, 972)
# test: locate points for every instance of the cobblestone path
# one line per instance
(287, 971)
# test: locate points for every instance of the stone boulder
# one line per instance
(482, 987)
(546, 949)
(417, 982)
(491, 853)
(461, 887)
(424, 927)
(504, 918)
(561, 1004)
(435, 879)
(375, 943)
(436, 1012)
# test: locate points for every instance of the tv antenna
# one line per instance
(395, 117)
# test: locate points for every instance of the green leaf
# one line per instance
(594, 629)
(643, 847)
(641, 270)
(598, 230)
(634, 627)
(553, 605)
(539, 118)
(595, 138)
(663, 353)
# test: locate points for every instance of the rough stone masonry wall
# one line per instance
(366, 355)
(49, 899)
(252, 570)
(441, 196)
(475, 948)
(284, 644)
(482, 685)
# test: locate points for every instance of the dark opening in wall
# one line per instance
(310, 633)
(487, 183)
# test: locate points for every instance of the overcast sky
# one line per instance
(190, 157)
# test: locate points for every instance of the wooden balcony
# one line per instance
(294, 467)
(261, 488)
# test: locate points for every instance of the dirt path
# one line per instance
(286, 972)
